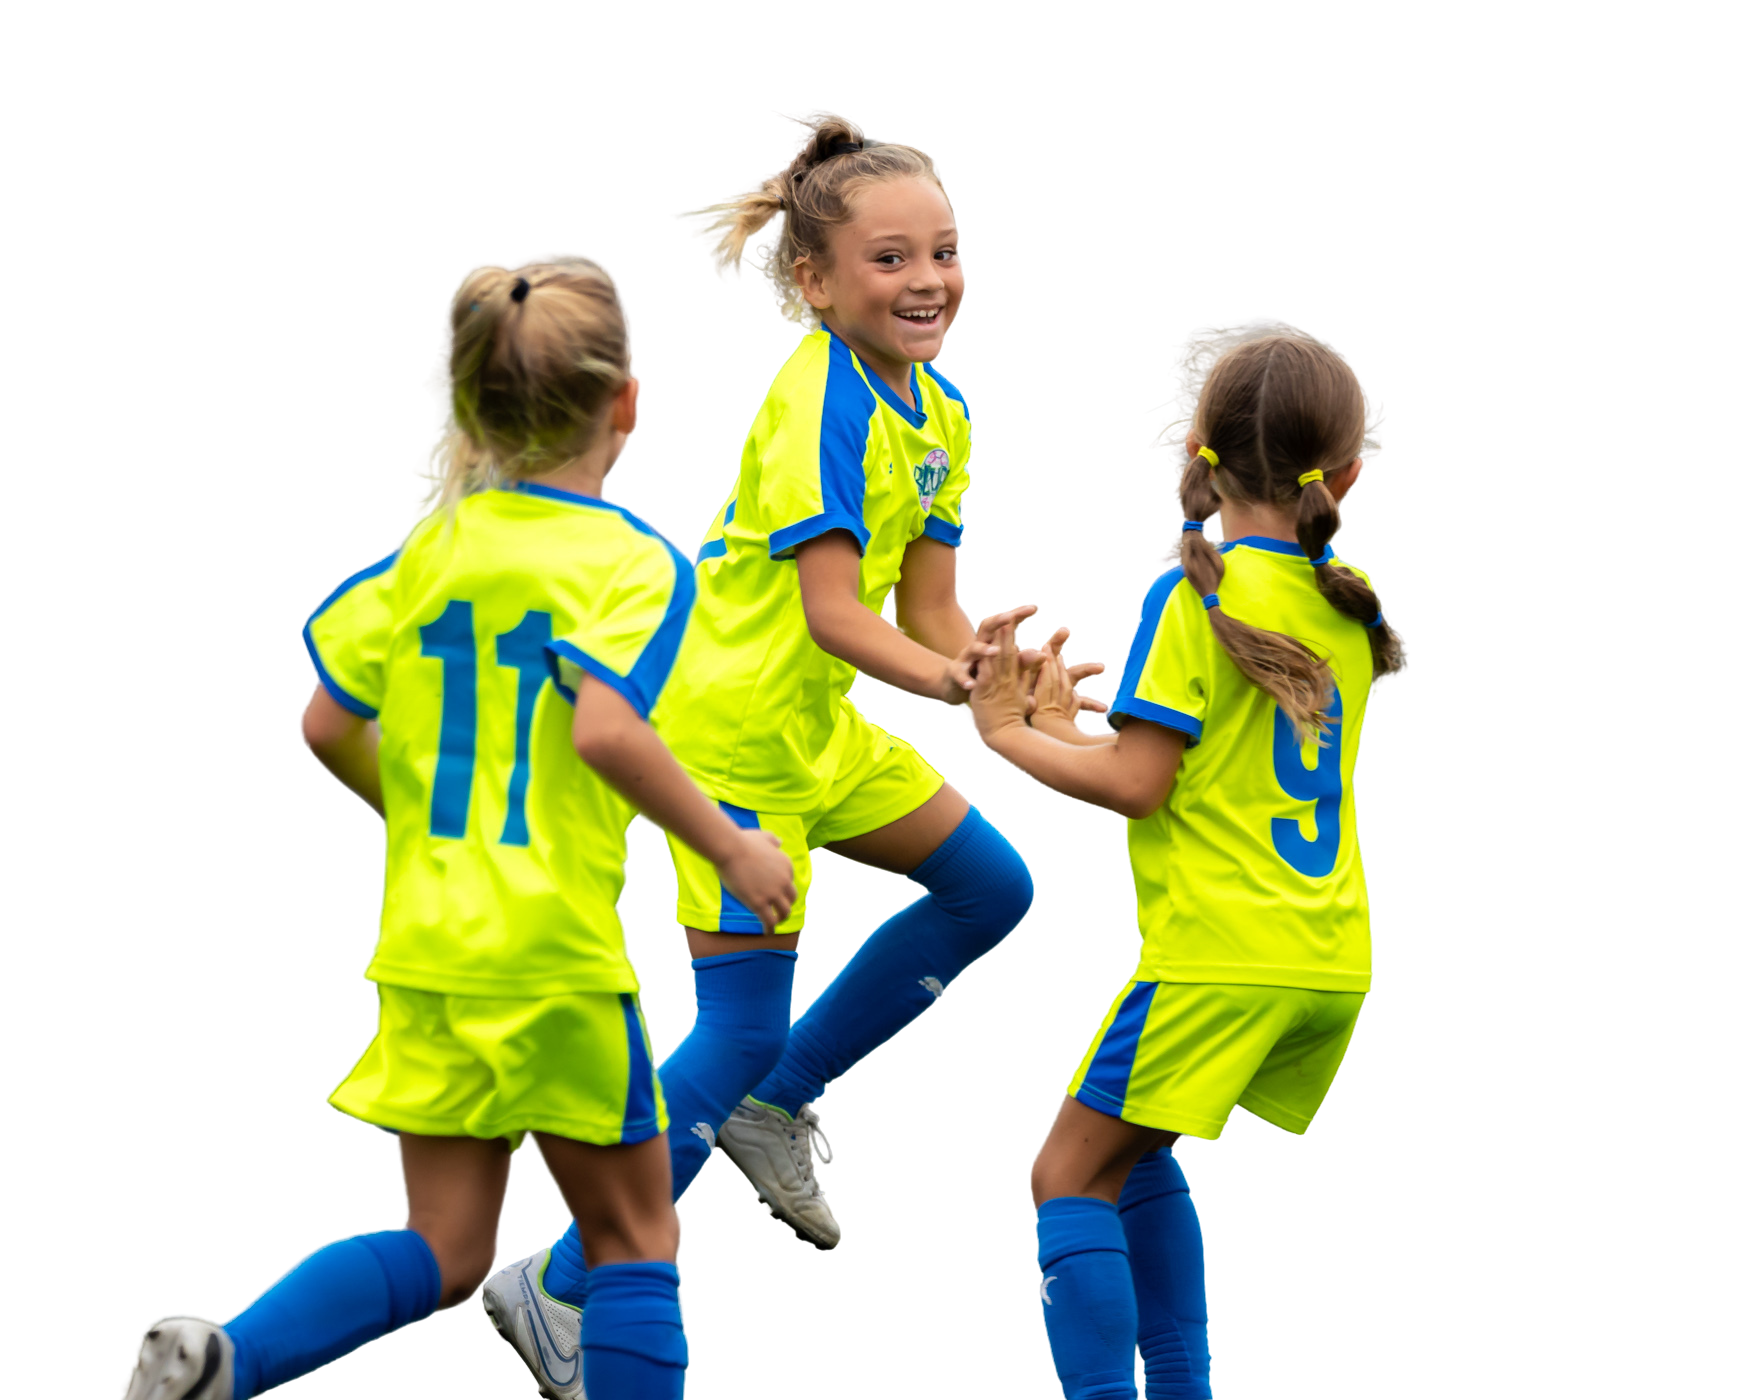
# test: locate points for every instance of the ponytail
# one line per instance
(1315, 521)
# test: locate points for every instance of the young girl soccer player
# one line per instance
(525, 624)
(1235, 747)
(850, 487)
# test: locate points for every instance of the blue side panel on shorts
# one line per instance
(1107, 1081)
(640, 1120)
(733, 916)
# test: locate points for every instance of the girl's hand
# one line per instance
(1054, 693)
(962, 671)
(1000, 697)
(758, 873)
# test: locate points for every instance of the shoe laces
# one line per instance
(809, 1145)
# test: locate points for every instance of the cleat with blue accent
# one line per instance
(184, 1358)
(775, 1152)
(544, 1331)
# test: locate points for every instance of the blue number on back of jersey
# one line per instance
(451, 640)
(1321, 785)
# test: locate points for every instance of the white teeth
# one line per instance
(927, 315)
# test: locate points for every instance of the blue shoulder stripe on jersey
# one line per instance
(844, 441)
(915, 416)
(1107, 1083)
(332, 686)
(1127, 704)
(936, 528)
(949, 389)
(717, 548)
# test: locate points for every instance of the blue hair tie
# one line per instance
(1196, 525)
(1211, 600)
(1378, 620)
(1325, 558)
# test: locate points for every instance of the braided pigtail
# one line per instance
(1287, 670)
(1316, 520)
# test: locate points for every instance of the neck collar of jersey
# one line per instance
(1268, 545)
(915, 416)
(553, 493)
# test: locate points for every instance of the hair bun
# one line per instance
(521, 291)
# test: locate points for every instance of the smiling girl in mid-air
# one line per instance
(850, 487)
(1238, 722)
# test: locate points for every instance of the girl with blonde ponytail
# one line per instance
(850, 487)
(1238, 719)
(525, 625)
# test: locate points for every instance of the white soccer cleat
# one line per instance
(184, 1358)
(776, 1154)
(544, 1331)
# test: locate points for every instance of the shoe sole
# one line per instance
(503, 1325)
(781, 1217)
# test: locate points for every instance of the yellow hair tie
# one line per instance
(1208, 455)
(1307, 478)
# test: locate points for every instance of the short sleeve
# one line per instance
(1166, 676)
(627, 634)
(348, 638)
(812, 470)
(943, 519)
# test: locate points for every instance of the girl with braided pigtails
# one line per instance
(850, 487)
(1238, 722)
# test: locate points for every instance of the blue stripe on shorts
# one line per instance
(1107, 1081)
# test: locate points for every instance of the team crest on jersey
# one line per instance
(930, 476)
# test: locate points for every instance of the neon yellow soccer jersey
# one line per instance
(506, 852)
(752, 704)
(1250, 872)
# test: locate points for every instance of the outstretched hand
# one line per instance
(1054, 691)
(1002, 693)
(963, 669)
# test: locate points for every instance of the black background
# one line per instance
(329, 263)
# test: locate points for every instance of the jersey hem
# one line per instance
(1305, 979)
(422, 979)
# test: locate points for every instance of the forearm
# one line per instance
(846, 629)
(634, 761)
(1091, 772)
(1064, 730)
(945, 630)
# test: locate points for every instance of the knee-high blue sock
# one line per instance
(979, 889)
(743, 1019)
(633, 1345)
(1166, 1266)
(1087, 1297)
(334, 1302)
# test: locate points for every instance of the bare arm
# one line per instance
(611, 738)
(1131, 775)
(925, 599)
(829, 569)
(346, 745)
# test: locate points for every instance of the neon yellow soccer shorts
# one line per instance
(877, 779)
(1179, 1055)
(489, 1067)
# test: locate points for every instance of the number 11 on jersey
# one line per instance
(450, 640)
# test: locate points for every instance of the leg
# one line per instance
(360, 1289)
(1085, 1287)
(979, 889)
(622, 1200)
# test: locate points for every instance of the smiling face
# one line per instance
(892, 281)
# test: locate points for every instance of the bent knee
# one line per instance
(460, 1276)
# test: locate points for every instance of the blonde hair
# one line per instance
(535, 355)
(814, 195)
(1275, 406)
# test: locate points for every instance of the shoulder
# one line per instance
(1154, 602)
(948, 390)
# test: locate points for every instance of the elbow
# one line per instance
(1137, 805)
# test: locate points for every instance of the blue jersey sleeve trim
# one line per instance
(712, 549)
(1153, 605)
(949, 390)
(341, 696)
(936, 528)
(1163, 715)
(845, 413)
(585, 662)
(784, 542)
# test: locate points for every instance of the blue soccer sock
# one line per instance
(979, 889)
(634, 1347)
(334, 1302)
(1087, 1297)
(1166, 1266)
